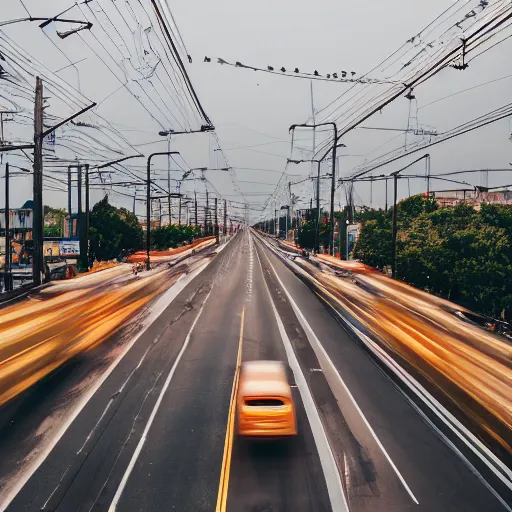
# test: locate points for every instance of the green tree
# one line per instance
(458, 253)
(113, 231)
(174, 235)
(53, 221)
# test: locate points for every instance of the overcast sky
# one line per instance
(256, 109)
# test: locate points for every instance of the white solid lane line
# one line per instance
(330, 370)
(329, 467)
(135, 456)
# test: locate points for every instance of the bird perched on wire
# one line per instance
(207, 59)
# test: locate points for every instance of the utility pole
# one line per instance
(148, 204)
(290, 210)
(80, 217)
(70, 223)
(216, 222)
(427, 163)
(87, 218)
(395, 207)
(333, 188)
(8, 275)
(386, 207)
(317, 227)
(395, 211)
(37, 221)
(169, 179)
(276, 227)
(195, 208)
(225, 217)
(179, 208)
(206, 223)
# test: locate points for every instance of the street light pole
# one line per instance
(333, 179)
(37, 220)
(395, 211)
(148, 203)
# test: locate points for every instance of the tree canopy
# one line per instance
(458, 253)
(113, 231)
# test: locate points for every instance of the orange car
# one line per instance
(265, 404)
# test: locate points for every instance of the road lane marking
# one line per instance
(140, 445)
(222, 497)
(329, 467)
(332, 370)
(157, 308)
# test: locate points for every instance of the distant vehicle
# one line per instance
(265, 403)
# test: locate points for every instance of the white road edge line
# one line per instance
(324, 359)
(157, 309)
(138, 449)
(330, 469)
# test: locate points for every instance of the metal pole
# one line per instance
(216, 222)
(148, 212)
(70, 223)
(427, 162)
(206, 220)
(8, 276)
(79, 194)
(393, 247)
(225, 217)
(195, 208)
(276, 220)
(317, 227)
(169, 179)
(37, 228)
(333, 188)
(179, 211)
(148, 204)
(87, 216)
(346, 241)
(386, 209)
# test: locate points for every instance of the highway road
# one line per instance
(141, 421)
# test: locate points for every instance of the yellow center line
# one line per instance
(222, 497)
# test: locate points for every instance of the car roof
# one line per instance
(264, 378)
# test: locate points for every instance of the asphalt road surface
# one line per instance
(141, 422)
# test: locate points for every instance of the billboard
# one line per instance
(51, 248)
(69, 248)
(19, 219)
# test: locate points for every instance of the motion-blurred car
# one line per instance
(265, 403)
